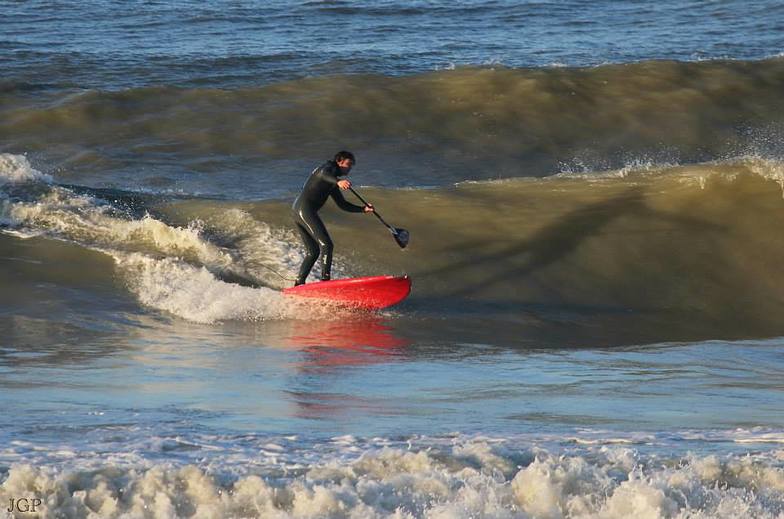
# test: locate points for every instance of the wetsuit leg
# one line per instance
(314, 228)
(311, 254)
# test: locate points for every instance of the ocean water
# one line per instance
(594, 192)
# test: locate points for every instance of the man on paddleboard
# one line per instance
(325, 181)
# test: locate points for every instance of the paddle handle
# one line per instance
(374, 211)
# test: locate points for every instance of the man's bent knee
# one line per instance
(326, 247)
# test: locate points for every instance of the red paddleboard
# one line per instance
(369, 293)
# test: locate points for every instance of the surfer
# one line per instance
(324, 181)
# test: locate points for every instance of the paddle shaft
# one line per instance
(394, 231)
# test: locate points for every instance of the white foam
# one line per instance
(430, 480)
(631, 169)
(265, 253)
(195, 294)
(768, 169)
(16, 169)
(82, 219)
(740, 436)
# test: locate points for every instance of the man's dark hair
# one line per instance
(342, 155)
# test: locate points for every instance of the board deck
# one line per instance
(370, 293)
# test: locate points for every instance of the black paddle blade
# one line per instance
(401, 237)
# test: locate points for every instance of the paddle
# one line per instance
(400, 235)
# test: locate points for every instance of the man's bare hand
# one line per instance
(369, 208)
(344, 184)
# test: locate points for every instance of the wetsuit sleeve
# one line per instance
(345, 204)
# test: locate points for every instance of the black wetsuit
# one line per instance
(321, 184)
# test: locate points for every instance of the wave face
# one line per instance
(646, 254)
(426, 130)
(636, 255)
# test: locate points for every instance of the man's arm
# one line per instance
(344, 204)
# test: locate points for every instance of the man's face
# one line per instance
(345, 165)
